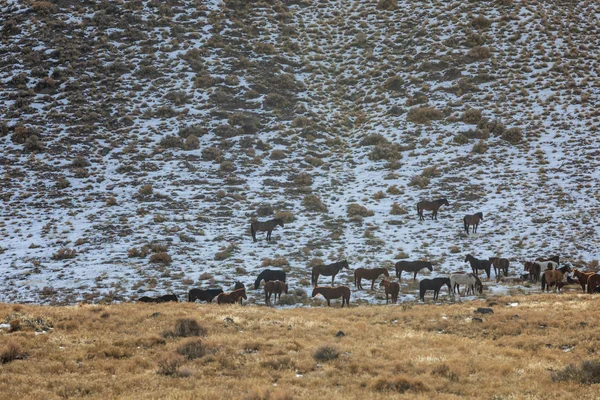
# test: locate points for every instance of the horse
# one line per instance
(476, 265)
(269, 275)
(583, 277)
(432, 206)
(500, 265)
(534, 269)
(268, 226)
(372, 274)
(161, 299)
(239, 285)
(391, 289)
(554, 277)
(471, 281)
(203, 294)
(434, 284)
(333, 293)
(232, 297)
(472, 220)
(411, 266)
(276, 288)
(593, 283)
(328, 270)
(556, 259)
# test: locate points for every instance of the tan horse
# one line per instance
(500, 265)
(371, 274)
(554, 277)
(274, 288)
(333, 293)
(583, 277)
(593, 283)
(232, 297)
(391, 289)
(472, 220)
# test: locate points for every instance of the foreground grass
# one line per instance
(406, 351)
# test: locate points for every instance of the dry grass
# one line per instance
(413, 350)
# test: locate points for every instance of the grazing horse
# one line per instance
(583, 277)
(333, 293)
(472, 220)
(161, 299)
(269, 275)
(432, 206)
(391, 289)
(328, 270)
(556, 259)
(500, 265)
(434, 284)
(268, 226)
(276, 288)
(471, 281)
(239, 285)
(554, 277)
(534, 269)
(203, 294)
(372, 274)
(232, 297)
(411, 266)
(476, 265)
(593, 283)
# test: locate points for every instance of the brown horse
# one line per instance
(333, 293)
(411, 266)
(432, 206)
(554, 277)
(372, 274)
(268, 226)
(583, 277)
(534, 269)
(328, 270)
(472, 220)
(391, 289)
(276, 288)
(593, 283)
(500, 265)
(232, 297)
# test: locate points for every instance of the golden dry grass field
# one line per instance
(530, 347)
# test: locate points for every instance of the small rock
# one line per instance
(515, 316)
(477, 319)
(484, 310)
(154, 315)
(228, 320)
(340, 334)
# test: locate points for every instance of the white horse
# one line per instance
(471, 282)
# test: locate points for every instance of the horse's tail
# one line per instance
(253, 231)
(465, 224)
(312, 277)
(190, 296)
(543, 282)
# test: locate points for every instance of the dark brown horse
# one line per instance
(534, 269)
(434, 284)
(583, 277)
(432, 206)
(500, 265)
(269, 275)
(371, 274)
(203, 294)
(477, 264)
(552, 277)
(411, 266)
(333, 293)
(161, 299)
(472, 220)
(274, 288)
(593, 283)
(391, 289)
(239, 285)
(232, 297)
(327, 270)
(556, 259)
(268, 226)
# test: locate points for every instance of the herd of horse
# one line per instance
(546, 270)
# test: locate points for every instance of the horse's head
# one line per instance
(384, 282)
(315, 292)
(468, 257)
(243, 294)
(385, 272)
(257, 283)
(345, 264)
(279, 222)
(480, 214)
(430, 267)
(444, 201)
(238, 285)
(285, 288)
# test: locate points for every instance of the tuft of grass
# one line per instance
(326, 353)
(513, 135)
(161, 258)
(587, 373)
(64, 253)
(398, 210)
(398, 384)
(356, 210)
(313, 203)
(10, 352)
(423, 115)
(192, 349)
(169, 365)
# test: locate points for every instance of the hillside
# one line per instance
(131, 129)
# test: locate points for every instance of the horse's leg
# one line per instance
(415, 277)
(373, 283)
(332, 278)
(328, 302)
(253, 233)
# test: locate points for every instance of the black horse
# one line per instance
(476, 265)
(434, 284)
(269, 275)
(411, 266)
(327, 270)
(161, 299)
(266, 226)
(239, 285)
(203, 294)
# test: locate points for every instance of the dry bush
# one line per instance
(274, 262)
(314, 161)
(169, 365)
(313, 203)
(278, 363)
(416, 99)
(195, 130)
(134, 252)
(43, 7)
(374, 139)
(211, 154)
(471, 116)
(277, 101)
(10, 352)
(111, 201)
(33, 144)
(146, 190)
(278, 155)
(264, 210)
(286, 216)
(192, 349)
(379, 195)
(398, 384)
(226, 252)
(158, 247)
(480, 22)
(393, 189)
(389, 5)
(395, 83)
(480, 147)
(191, 143)
(227, 166)
(188, 327)
(326, 353)
(226, 131)
(303, 179)
(172, 141)
(64, 253)
(386, 151)
(480, 53)
(423, 115)
(419, 180)
(356, 210)
(161, 258)
(588, 373)
(513, 135)
(398, 210)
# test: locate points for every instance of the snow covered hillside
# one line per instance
(138, 139)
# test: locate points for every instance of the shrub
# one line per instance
(146, 190)
(277, 101)
(358, 210)
(471, 116)
(226, 131)
(264, 210)
(111, 201)
(211, 154)
(227, 166)
(399, 384)
(196, 130)
(393, 190)
(249, 123)
(169, 365)
(188, 327)
(395, 84)
(178, 97)
(387, 151)
(326, 353)
(513, 135)
(277, 155)
(33, 144)
(172, 141)
(64, 253)
(374, 139)
(226, 252)
(480, 22)
(43, 7)
(423, 115)
(192, 349)
(80, 162)
(277, 262)
(313, 203)
(161, 258)
(587, 374)
(286, 216)
(192, 143)
(480, 147)
(303, 179)
(417, 98)
(420, 181)
(398, 210)
(389, 5)
(480, 52)
(10, 352)
(314, 161)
